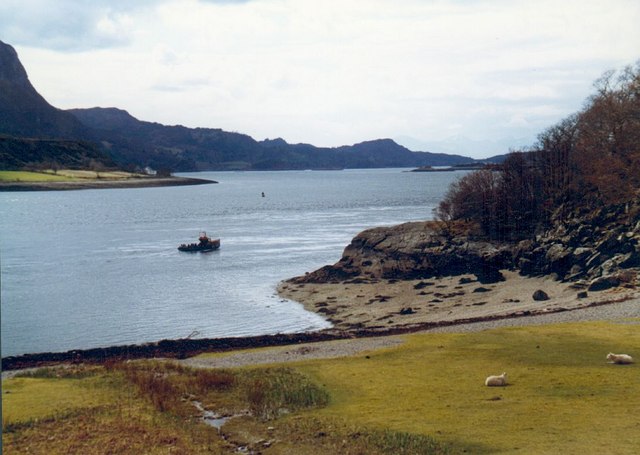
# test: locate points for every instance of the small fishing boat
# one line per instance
(204, 244)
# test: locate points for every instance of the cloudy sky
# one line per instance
(464, 76)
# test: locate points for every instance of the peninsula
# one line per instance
(82, 180)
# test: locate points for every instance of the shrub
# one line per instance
(205, 380)
(271, 393)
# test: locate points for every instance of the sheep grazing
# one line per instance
(496, 381)
(620, 359)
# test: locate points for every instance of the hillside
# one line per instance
(135, 141)
(132, 143)
(20, 153)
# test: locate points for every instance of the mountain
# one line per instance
(23, 112)
(130, 142)
(32, 132)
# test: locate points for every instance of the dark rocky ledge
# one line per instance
(415, 250)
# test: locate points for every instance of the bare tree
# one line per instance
(591, 157)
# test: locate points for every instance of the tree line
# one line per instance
(589, 159)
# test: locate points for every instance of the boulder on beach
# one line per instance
(540, 296)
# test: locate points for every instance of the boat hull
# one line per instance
(211, 245)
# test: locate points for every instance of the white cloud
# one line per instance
(330, 72)
(69, 25)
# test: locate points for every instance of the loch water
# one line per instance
(91, 268)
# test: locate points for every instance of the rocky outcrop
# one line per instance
(599, 249)
(412, 251)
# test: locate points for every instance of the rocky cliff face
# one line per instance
(600, 248)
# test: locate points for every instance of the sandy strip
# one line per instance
(389, 303)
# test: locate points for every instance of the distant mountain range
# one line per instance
(111, 135)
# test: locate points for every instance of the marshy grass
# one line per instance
(91, 410)
(318, 435)
(402, 443)
(266, 392)
(308, 434)
(271, 393)
(61, 372)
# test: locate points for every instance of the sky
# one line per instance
(475, 78)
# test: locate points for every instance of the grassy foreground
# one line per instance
(562, 398)
(426, 396)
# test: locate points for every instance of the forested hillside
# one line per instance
(21, 153)
(132, 141)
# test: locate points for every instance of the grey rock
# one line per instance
(595, 260)
(612, 265)
(581, 254)
(604, 282)
(540, 296)
(481, 289)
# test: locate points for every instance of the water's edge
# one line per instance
(183, 348)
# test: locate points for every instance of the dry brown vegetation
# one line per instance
(157, 407)
(591, 158)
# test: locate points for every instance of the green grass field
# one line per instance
(64, 175)
(562, 398)
(425, 396)
(24, 176)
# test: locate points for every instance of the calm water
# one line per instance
(91, 268)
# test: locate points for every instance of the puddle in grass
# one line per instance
(211, 418)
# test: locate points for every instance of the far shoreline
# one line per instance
(141, 182)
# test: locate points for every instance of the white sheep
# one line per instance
(621, 359)
(496, 381)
